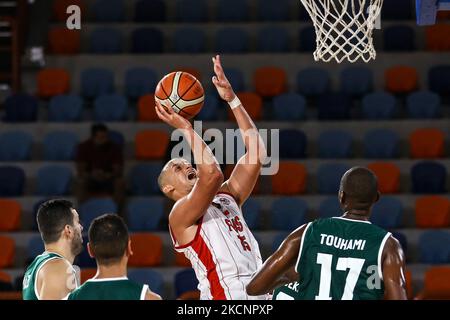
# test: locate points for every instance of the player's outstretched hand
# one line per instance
(221, 82)
(172, 118)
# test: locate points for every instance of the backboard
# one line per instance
(428, 9)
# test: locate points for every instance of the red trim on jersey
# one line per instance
(205, 256)
(197, 233)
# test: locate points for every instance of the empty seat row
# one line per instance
(191, 40)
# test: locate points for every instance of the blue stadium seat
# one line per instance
(292, 144)
(151, 277)
(329, 177)
(140, 41)
(139, 82)
(268, 10)
(397, 10)
(60, 146)
(20, 108)
(15, 146)
(143, 179)
(439, 80)
(402, 239)
(94, 208)
(232, 40)
(330, 207)
(356, 81)
(334, 106)
(288, 213)
(105, 41)
(96, 81)
(392, 36)
(12, 181)
(379, 106)
(53, 180)
(307, 40)
(189, 40)
(387, 213)
(83, 260)
(381, 144)
(335, 144)
(423, 105)
(150, 11)
(117, 137)
(185, 281)
(110, 107)
(278, 240)
(109, 11)
(232, 10)
(144, 214)
(65, 108)
(191, 10)
(434, 248)
(428, 177)
(251, 210)
(273, 39)
(210, 108)
(35, 247)
(289, 107)
(313, 81)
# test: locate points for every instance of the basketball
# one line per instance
(182, 91)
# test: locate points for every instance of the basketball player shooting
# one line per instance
(206, 222)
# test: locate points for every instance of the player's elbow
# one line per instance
(252, 289)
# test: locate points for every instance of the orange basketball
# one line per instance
(182, 91)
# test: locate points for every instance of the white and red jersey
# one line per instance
(224, 253)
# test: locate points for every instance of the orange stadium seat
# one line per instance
(5, 277)
(52, 82)
(151, 144)
(181, 260)
(60, 8)
(227, 173)
(147, 250)
(252, 103)
(290, 179)
(87, 274)
(437, 37)
(190, 295)
(388, 175)
(427, 143)
(270, 81)
(10, 212)
(401, 79)
(146, 108)
(409, 284)
(437, 283)
(7, 251)
(432, 212)
(64, 41)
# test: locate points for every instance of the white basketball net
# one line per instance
(344, 28)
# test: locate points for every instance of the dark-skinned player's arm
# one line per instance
(246, 172)
(189, 209)
(393, 268)
(279, 269)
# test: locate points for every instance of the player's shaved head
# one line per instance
(359, 188)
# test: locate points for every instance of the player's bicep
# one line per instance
(393, 269)
(56, 281)
(150, 295)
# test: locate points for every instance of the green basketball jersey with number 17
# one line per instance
(340, 259)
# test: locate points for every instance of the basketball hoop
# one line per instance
(344, 28)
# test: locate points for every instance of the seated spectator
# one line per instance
(100, 167)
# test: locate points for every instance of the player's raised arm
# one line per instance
(393, 268)
(279, 268)
(191, 207)
(246, 172)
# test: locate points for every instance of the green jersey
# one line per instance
(286, 292)
(29, 286)
(110, 289)
(340, 259)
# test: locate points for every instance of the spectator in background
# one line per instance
(100, 167)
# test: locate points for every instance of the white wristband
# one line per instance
(234, 103)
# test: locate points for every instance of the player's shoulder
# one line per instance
(55, 266)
